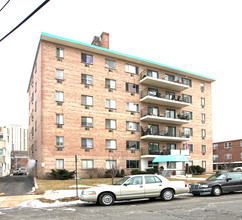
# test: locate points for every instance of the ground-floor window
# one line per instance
(59, 163)
(171, 165)
(87, 164)
(132, 164)
(204, 164)
(110, 164)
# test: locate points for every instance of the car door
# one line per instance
(240, 182)
(133, 188)
(153, 186)
(231, 183)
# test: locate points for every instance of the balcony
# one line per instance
(177, 136)
(145, 152)
(156, 80)
(163, 99)
(146, 115)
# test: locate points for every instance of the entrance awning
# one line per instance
(171, 158)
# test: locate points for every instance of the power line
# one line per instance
(37, 9)
(4, 5)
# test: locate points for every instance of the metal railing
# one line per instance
(147, 151)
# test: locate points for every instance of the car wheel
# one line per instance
(106, 199)
(216, 191)
(167, 194)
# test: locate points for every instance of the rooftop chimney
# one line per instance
(102, 41)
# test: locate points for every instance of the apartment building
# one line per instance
(18, 138)
(5, 152)
(113, 109)
(227, 154)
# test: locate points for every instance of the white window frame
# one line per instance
(111, 164)
(110, 124)
(59, 141)
(59, 119)
(111, 144)
(228, 156)
(131, 69)
(215, 146)
(86, 79)
(133, 107)
(89, 143)
(87, 100)
(132, 126)
(110, 83)
(59, 74)
(111, 64)
(59, 96)
(110, 103)
(88, 121)
(59, 52)
(59, 164)
(87, 164)
(203, 102)
(215, 157)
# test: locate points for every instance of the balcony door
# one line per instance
(170, 113)
(153, 111)
(154, 149)
(154, 129)
(171, 131)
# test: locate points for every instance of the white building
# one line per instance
(18, 138)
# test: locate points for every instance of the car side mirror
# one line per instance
(228, 179)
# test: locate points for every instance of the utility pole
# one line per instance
(76, 175)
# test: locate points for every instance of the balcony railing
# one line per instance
(178, 135)
(160, 98)
(146, 151)
(148, 115)
(154, 78)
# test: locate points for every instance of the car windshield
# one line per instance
(219, 176)
(120, 182)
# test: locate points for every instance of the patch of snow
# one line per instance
(50, 194)
(2, 213)
(79, 186)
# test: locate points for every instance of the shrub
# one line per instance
(197, 170)
(62, 174)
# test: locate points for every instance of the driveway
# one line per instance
(15, 185)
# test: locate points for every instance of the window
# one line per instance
(170, 95)
(86, 79)
(228, 156)
(170, 78)
(227, 145)
(111, 144)
(171, 165)
(60, 52)
(110, 103)
(131, 69)
(153, 129)
(202, 87)
(87, 164)
(203, 149)
(171, 147)
(132, 107)
(110, 64)
(171, 131)
(109, 83)
(132, 164)
(1, 135)
(240, 143)
(152, 179)
(215, 146)
(152, 73)
(59, 74)
(203, 118)
(203, 133)
(59, 164)
(204, 164)
(59, 141)
(188, 114)
(59, 96)
(240, 155)
(154, 149)
(132, 145)
(110, 164)
(215, 157)
(87, 142)
(86, 58)
(187, 98)
(110, 124)
(59, 119)
(187, 131)
(86, 100)
(137, 180)
(87, 121)
(132, 126)
(203, 102)
(132, 88)
(1, 152)
(153, 111)
(187, 82)
(170, 113)
(188, 146)
(153, 92)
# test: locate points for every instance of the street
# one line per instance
(227, 206)
(15, 185)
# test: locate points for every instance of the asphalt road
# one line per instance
(15, 185)
(184, 207)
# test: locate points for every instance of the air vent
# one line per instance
(87, 129)
(110, 110)
(132, 94)
(110, 130)
(86, 86)
(132, 132)
(59, 81)
(110, 151)
(87, 107)
(110, 71)
(59, 103)
(132, 151)
(59, 149)
(132, 113)
(87, 150)
(86, 65)
(132, 75)
(110, 90)
(59, 126)
(59, 59)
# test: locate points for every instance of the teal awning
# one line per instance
(171, 158)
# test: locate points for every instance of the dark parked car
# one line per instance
(218, 184)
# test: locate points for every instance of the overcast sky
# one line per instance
(204, 37)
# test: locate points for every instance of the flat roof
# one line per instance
(118, 55)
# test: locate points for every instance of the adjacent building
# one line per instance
(227, 154)
(5, 152)
(113, 109)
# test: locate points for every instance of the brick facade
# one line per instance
(42, 111)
